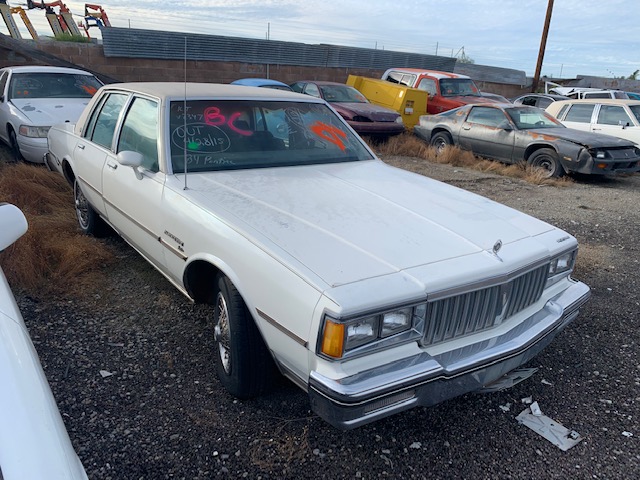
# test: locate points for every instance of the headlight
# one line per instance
(561, 264)
(399, 120)
(36, 132)
(341, 337)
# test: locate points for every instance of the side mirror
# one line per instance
(129, 158)
(13, 224)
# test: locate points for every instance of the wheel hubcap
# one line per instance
(82, 207)
(222, 334)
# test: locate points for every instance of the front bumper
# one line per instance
(32, 148)
(425, 380)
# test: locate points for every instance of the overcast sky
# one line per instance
(586, 37)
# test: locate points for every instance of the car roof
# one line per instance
(545, 95)
(46, 69)
(175, 90)
(604, 101)
(434, 73)
(258, 82)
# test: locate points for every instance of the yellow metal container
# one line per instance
(409, 102)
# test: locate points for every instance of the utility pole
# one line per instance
(543, 46)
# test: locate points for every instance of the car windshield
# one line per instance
(52, 85)
(452, 87)
(341, 93)
(527, 118)
(240, 134)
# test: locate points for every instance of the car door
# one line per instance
(133, 195)
(97, 141)
(614, 120)
(487, 132)
(4, 106)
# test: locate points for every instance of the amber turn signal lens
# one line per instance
(333, 339)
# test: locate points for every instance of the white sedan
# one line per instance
(32, 98)
(373, 289)
(33, 440)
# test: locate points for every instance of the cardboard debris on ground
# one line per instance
(553, 431)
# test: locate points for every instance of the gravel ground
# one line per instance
(158, 411)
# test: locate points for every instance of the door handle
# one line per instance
(466, 128)
(596, 129)
(112, 166)
(81, 147)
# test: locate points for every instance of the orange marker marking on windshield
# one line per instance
(330, 134)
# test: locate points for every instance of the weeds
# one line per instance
(409, 145)
(53, 257)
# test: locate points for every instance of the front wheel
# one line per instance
(547, 160)
(244, 365)
(440, 141)
(16, 156)
(88, 219)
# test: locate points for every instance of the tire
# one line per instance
(547, 160)
(13, 144)
(88, 219)
(243, 363)
(440, 141)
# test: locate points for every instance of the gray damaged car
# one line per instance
(513, 134)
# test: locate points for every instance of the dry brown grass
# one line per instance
(53, 257)
(409, 145)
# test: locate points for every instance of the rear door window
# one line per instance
(613, 115)
(580, 113)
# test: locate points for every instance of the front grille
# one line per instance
(479, 310)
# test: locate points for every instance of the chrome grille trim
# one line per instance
(477, 310)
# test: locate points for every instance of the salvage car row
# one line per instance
(373, 289)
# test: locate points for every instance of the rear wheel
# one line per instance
(547, 160)
(440, 141)
(244, 364)
(88, 219)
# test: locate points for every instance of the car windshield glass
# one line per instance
(451, 87)
(240, 134)
(635, 109)
(532, 117)
(341, 93)
(52, 85)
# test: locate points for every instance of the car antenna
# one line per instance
(184, 116)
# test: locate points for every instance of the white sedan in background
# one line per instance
(34, 443)
(32, 98)
(374, 289)
(616, 117)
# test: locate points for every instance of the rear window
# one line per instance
(216, 135)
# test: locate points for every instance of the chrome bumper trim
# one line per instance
(425, 380)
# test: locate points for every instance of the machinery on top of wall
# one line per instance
(6, 13)
(94, 16)
(61, 22)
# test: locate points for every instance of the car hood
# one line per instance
(347, 222)
(586, 139)
(373, 112)
(49, 111)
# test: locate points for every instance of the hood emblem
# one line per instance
(497, 246)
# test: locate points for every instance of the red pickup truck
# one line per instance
(446, 90)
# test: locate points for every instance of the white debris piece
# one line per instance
(627, 434)
(506, 407)
(535, 409)
(415, 445)
(553, 431)
(545, 382)
(105, 373)
(527, 400)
